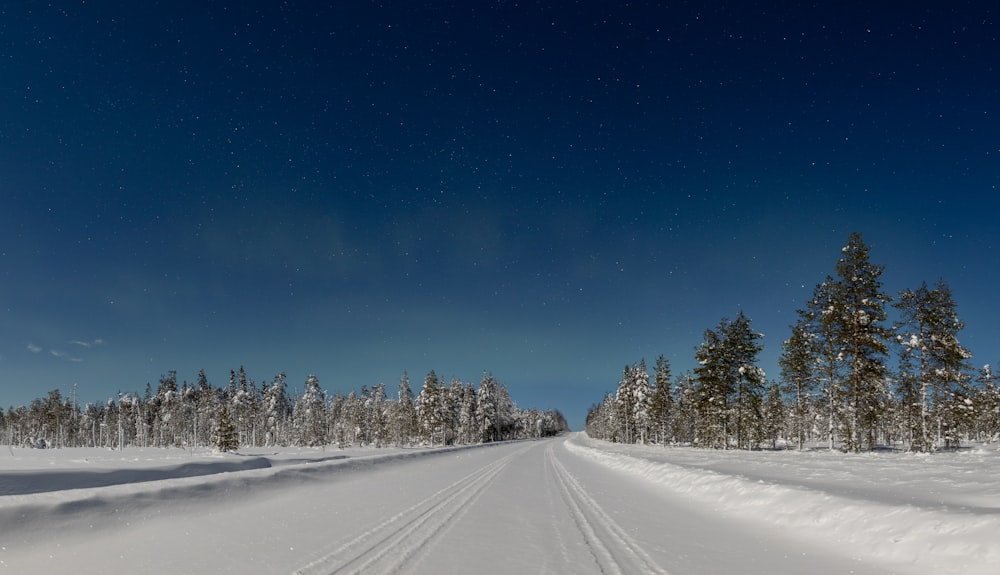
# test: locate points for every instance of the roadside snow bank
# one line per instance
(71, 494)
(901, 535)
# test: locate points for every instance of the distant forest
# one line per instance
(242, 414)
(838, 385)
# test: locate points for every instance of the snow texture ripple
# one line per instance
(399, 541)
(614, 551)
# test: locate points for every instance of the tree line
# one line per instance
(848, 379)
(243, 414)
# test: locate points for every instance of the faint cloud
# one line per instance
(64, 356)
(88, 344)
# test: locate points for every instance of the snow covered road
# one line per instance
(565, 505)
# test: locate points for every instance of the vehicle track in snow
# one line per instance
(397, 543)
(613, 549)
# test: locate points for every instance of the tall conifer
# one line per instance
(858, 319)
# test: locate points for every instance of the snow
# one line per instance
(932, 514)
(564, 505)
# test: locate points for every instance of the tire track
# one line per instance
(397, 542)
(613, 549)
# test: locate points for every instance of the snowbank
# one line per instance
(45, 492)
(938, 513)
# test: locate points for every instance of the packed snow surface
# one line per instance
(564, 505)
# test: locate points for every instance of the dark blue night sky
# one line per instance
(546, 191)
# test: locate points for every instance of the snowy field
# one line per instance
(565, 505)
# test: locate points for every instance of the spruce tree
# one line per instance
(225, 433)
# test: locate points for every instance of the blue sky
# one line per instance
(546, 191)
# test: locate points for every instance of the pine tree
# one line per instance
(206, 409)
(189, 412)
(953, 370)
(685, 422)
(166, 414)
(633, 402)
(987, 405)
(661, 402)
(405, 414)
(601, 422)
(245, 406)
(611, 417)
(742, 349)
(309, 415)
(340, 429)
(487, 409)
(641, 393)
(730, 385)
(467, 416)
(911, 411)
(623, 408)
(818, 321)
(774, 415)
(858, 316)
(506, 413)
(376, 409)
(934, 364)
(429, 408)
(451, 409)
(350, 419)
(798, 363)
(712, 391)
(276, 411)
(225, 434)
